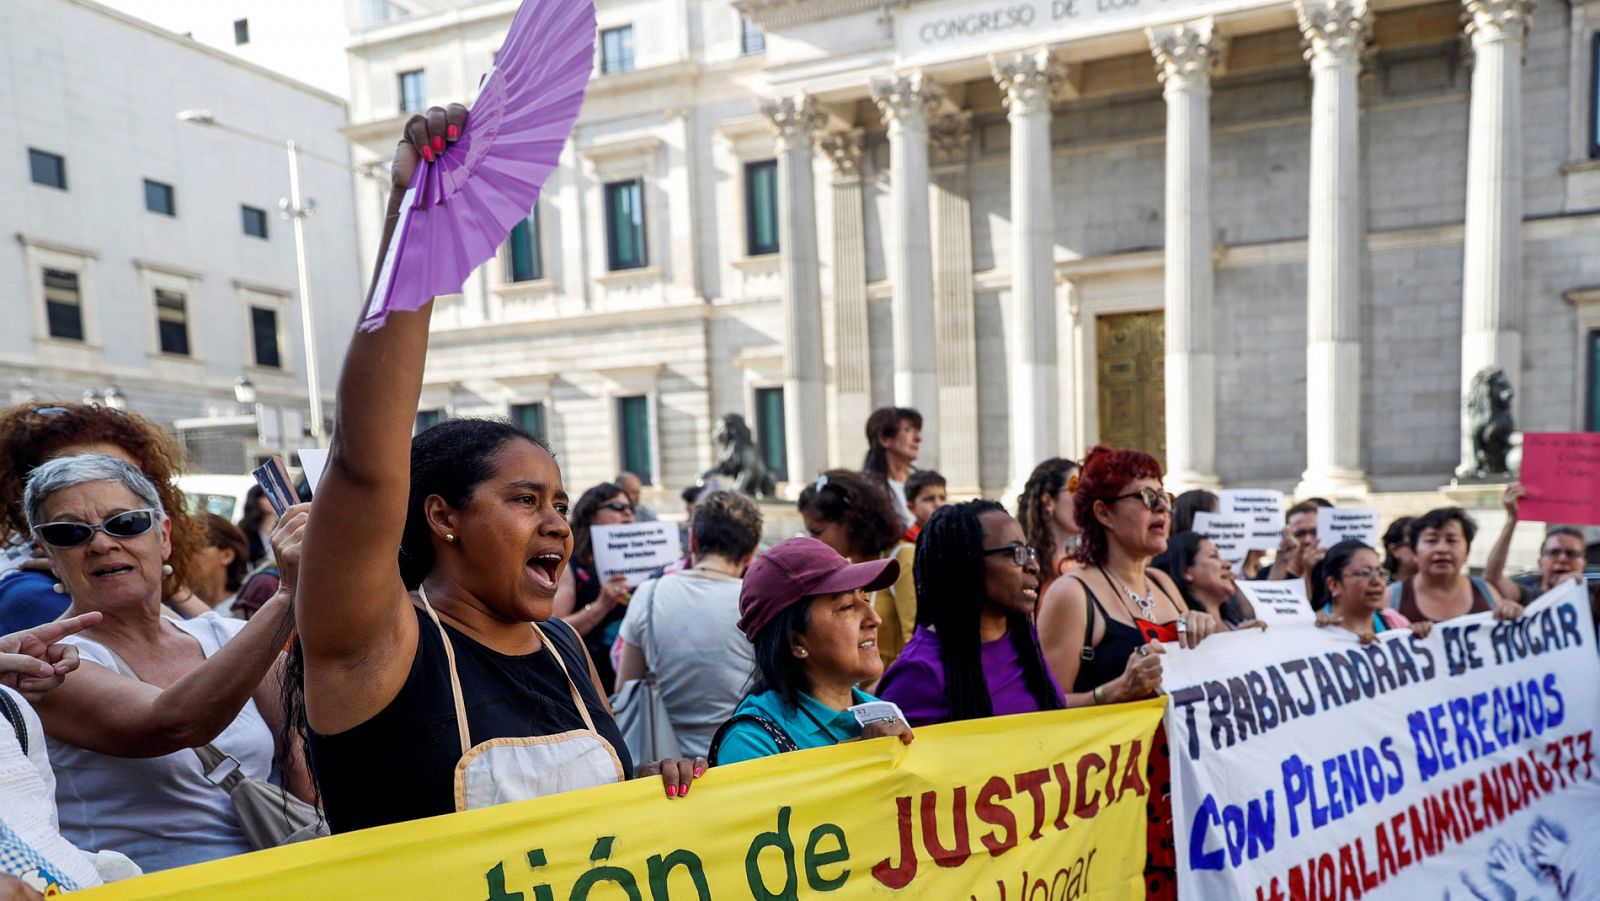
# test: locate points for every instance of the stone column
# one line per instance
(1028, 82)
(1186, 56)
(852, 370)
(1491, 283)
(795, 119)
(906, 102)
(955, 323)
(1336, 33)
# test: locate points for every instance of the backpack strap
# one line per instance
(13, 715)
(773, 730)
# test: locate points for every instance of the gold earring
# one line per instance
(450, 537)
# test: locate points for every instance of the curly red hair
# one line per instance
(1105, 473)
(29, 437)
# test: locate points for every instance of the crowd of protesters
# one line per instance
(437, 619)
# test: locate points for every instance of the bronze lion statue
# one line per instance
(1489, 424)
(739, 459)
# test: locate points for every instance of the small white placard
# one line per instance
(313, 460)
(1336, 524)
(1265, 509)
(1229, 533)
(1281, 603)
(635, 549)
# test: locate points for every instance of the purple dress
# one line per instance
(915, 680)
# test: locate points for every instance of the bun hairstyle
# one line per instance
(1105, 471)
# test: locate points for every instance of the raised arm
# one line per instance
(1494, 568)
(352, 609)
(106, 712)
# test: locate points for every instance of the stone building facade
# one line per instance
(1268, 241)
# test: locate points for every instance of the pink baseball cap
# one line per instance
(800, 568)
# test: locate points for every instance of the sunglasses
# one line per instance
(1021, 554)
(617, 507)
(1152, 499)
(58, 411)
(71, 534)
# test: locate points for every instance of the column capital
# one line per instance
(1498, 20)
(1335, 31)
(794, 118)
(948, 137)
(1029, 79)
(907, 99)
(1187, 54)
(843, 150)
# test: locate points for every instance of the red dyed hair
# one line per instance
(1106, 471)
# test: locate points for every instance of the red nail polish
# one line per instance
(453, 131)
(699, 771)
(438, 144)
(427, 154)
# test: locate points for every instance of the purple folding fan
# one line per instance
(460, 207)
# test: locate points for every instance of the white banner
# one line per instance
(635, 549)
(1461, 766)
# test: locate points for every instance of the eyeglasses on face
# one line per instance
(1021, 554)
(1564, 553)
(1368, 575)
(129, 524)
(1152, 499)
(618, 507)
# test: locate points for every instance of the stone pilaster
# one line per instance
(1491, 282)
(1336, 34)
(794, 120)
(907, 101)
(852, 370)
(1029, 82)
(955, 324)
(1186, 57)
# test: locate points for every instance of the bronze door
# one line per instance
(1130, 374)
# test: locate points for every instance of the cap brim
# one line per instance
(874, 575)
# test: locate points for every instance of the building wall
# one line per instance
(104, 90)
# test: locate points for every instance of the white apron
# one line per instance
(501, 770)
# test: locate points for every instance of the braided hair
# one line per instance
(951, 594)
(1049, 479)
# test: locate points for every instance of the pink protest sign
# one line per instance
(1561, 471)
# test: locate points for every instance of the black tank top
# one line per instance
(1100, 663)
(400, 764)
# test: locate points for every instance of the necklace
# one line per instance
(1147, 604)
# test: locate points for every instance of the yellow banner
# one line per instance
(1041, 807)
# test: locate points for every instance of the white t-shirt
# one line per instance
(160, 811)
(702, 661)
(31, 846)
(897, 493)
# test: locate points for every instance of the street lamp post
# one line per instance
(295, 208)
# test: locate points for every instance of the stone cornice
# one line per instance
(1187, 54)
(774, 14)
(1028, 80)
(1334, 30)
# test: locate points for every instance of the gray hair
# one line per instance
(68, 472)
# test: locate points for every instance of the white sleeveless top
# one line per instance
(160, 811)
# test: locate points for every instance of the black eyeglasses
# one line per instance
(1152, 499)
(71, 534)
(1021, 554)
(617, 507)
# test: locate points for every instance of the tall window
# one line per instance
(413, 91)
(427, 419)
(264, 337)
(625, 225)
(172, 322)
(523, 260)
(751, 38)
(158, 198)
(241, 31)
(377, 12)
(761, 207)
(633, 421)
(255, 221)
(769, 432)
(63, 304)
(616, 50)
(47, 169)
(530, 417)
(1593, 405)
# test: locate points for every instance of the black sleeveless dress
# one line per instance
(400, 764)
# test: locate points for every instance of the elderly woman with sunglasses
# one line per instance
(150, 690)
